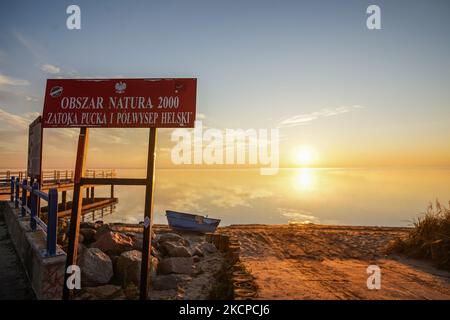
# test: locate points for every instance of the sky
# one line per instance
(312, 69)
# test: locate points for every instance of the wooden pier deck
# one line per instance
(63, 181)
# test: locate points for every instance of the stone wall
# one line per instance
(46, 274)
(241, 280)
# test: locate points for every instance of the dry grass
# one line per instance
(430, 237)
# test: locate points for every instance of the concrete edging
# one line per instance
(46, 274)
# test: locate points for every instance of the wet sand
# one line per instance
(329, 262)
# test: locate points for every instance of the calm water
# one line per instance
(388, 197)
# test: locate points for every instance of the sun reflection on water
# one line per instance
(304, 179)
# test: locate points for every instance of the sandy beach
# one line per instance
(329, 262)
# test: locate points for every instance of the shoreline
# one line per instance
(330, 262)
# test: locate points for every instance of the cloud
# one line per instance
(298, 216)
(19, 122)
(301, 119)
(6, 80)
(49, 68)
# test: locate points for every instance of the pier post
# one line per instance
(16, 202)
(148, 216)
(33, 206)
(92, 194)
(77, 204)
(12, 187)
(24, 197)
(64, 199)
(112, 191)
(52, 221)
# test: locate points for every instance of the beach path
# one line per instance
(14, 284)
(330, 262)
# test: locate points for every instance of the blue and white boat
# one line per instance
(191, 222)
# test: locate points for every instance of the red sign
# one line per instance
(120, 103)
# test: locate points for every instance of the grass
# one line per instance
(430, 237)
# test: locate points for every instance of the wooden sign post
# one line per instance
(77, 204)
(148, 216)
(117, 103)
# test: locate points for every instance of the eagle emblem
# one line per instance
(120, 87)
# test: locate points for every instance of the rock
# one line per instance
(63, 226)
(96, 267)
(87, 225)
(128, 267)
(172, 249)
(137, 244)
(181, 265)
(113, 242)
(62, 237)
(196, 258)
(131, 292)
(167, 282)
(102, 229)
(172, 237)
(155, 252)
(208, 247)
(81, 248)
(197, 252)
(105, 292)
(80, 238)
(88, 234)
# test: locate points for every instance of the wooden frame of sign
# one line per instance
(150, 103)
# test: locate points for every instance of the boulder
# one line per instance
(105, 292)
(173, 249)
(81, 248)
(137, 244)
(113, 242)
(102, 229)
(62, 237)
(96, 267)
(155, 252)
(167, 282)
(128, 267)
(182, 265)
(208, 247)
(197, 252)
(172, 237)
(88, 234)
(87, 225)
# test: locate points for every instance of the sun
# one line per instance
(305, 156)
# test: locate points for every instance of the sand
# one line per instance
(330, 262)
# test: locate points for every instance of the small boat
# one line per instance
(191, 222)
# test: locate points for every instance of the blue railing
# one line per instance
(29, 205)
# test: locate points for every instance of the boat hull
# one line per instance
(191, 222)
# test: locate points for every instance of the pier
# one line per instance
(63, 182)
